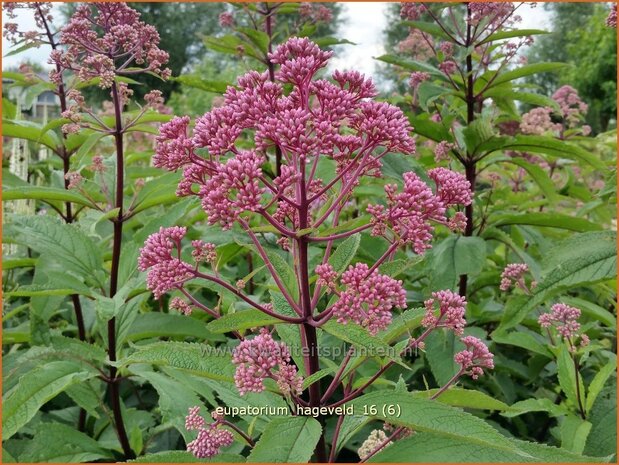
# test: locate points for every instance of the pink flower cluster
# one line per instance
(611, 20)
(417, 44)
(417, 77)
(368, 298)
(317, 118)
(451, 309)
(95, 40)
(166, 271)
(475, 357)
(496, 14)
(226, 19)
(513, 274)
(315, 12)
(210, 438)
(409, 213)
(258, 358)
(42, 15)
(539, 121)
(411, 10)
(565, 319)
(573, 109)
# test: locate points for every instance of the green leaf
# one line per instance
(287, 440)
(539, 176)
(243, 319)
(367, 345)
(175, 400)
(344, 253)
(574, 431)
(567, 377)
(554, 147)
(307, 382)
(511, 34)
(11, 263)
(548, 220)
(181, 456)
(323, 42)
(198, 82)
(55, 442)
(527, 70)
(430, 447)
(30, 131)
(465, 398)
(285, 272)
(259, 38)
(45, 194)
(430, 28)
(199, 359)
(602, 440)
(34, 389)
(428, 93)
(33, 290)
(535, 405)
(598, 382)
(8, 108)
(69, 246)
(149, 325)
(411, 65)
(580, 260)
(454, 256)
(422, 415)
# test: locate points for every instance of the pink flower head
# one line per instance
(409, 213)
(75, 179)
(42, 17)
(417, 77)
(299, 60)
(165, 272)
(418, 45)
(611, 20)
(326, 275)
(203, 252)
(447, 48)
(572, 107)
(513, 274)
(233, 189)
(448, 67)
(538, 121)
(496, 14)
(411, 10)
(210, 438)
(260, 358)
(226, 19)
(564, 318)
(452, 308)
(94, 39)
(181, 306)
(441, 151)
(452, 188)
(194, 420)
(316, 118)
(368, 299)
(475, 357)
(173, 148)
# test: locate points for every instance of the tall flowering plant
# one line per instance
(315, 120)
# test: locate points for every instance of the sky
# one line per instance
(363, 24)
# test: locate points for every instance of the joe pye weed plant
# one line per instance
(308, 271)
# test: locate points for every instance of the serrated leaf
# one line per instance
(424, 415)
(567, 378)
(287, 440)
(30, 131)
(574, 431)
(69, 246)
(344, 253)
(55, 442)
(580, 260)
(34, 389)
(199, 359)
(602, 440)
(44, 193)
(367, 345)
(198, 82)
(465, 398)
(243, 319)
(547, 220)
(598, 382)
(430, 447)
(149, 325)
